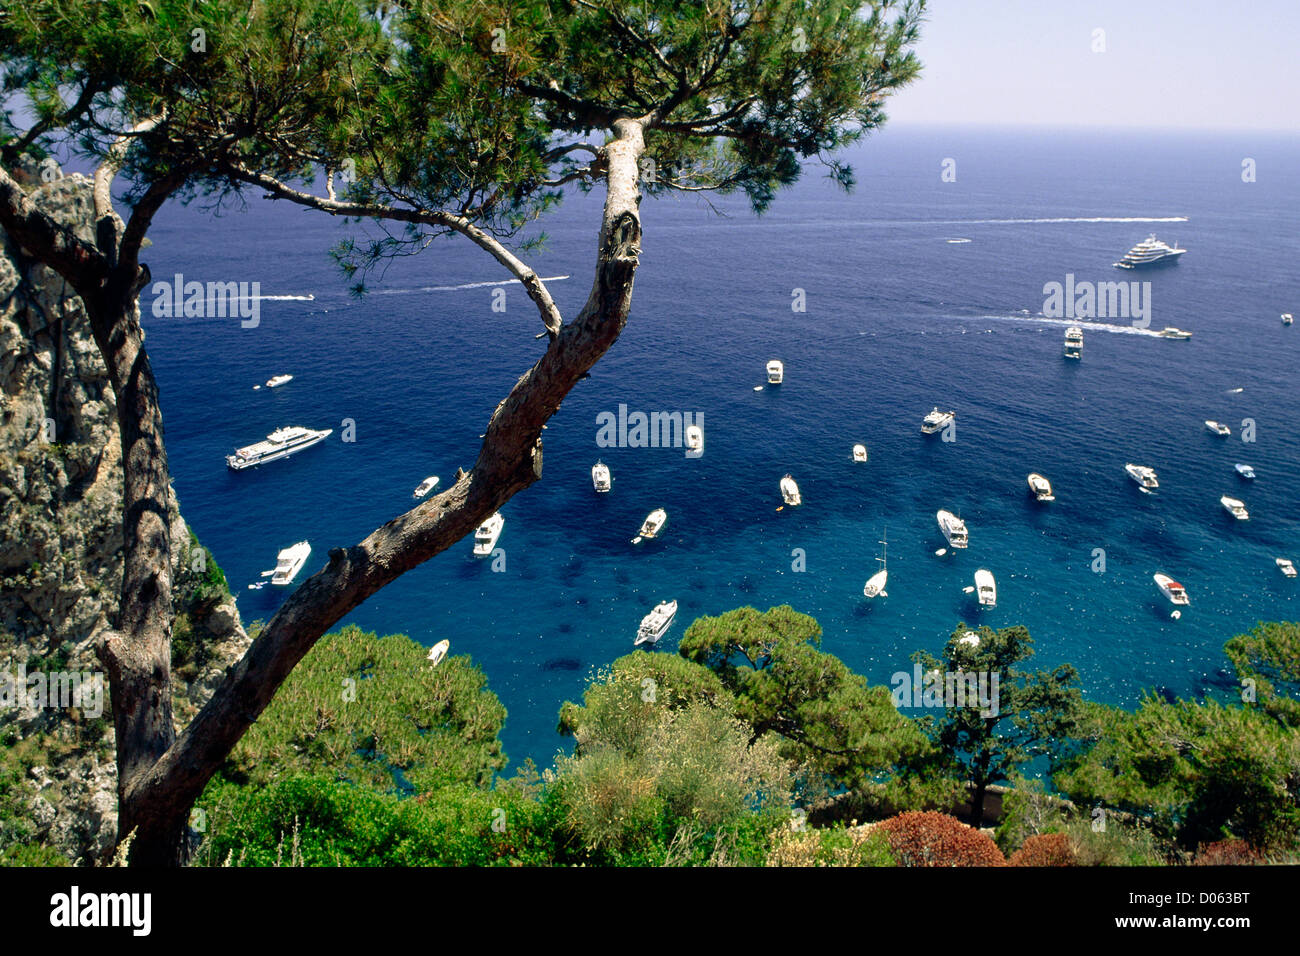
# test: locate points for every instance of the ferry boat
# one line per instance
(859, 452)
(1169, 332)
(953, 528)
(275, 381)
(695, 440)
(1245, 471)
(281, 443)
(438, 652)
(289, 562)
(1144, 476)
(935, 420)
(790, 491)
(1285, 566)
(1171, 589)
(655, 624)
(424, 487)
(1235, 507)
(875, 586)
(1150, 252)
(1074, 342)
(986, 588)
(1041, 487)
(653, 524)
(1217, 428)
(775, 372)
(600, 479)
(485, 537)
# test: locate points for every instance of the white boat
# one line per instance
(790, 491)
(600, 479)
(1287, 318)
(1074, 342)
(1235, 508)
(1144, 476)
(1245, 471)
(1150, 252)
(655, 624)
(953, 528)
(1285, 566)
(775, 372)
(969, 639)
(936, 420)
(695, 440)
(859, 452)
(485, 537)
(875, 586)
(652, 526)
(986, 587)
(275, 381)
(289, 562)
(1217, 428)
(1171, 589)
(281, 443)
(438, 652)
(1041, 487)
(424, 487)
(1169, 332)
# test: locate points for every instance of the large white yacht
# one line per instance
(1041, 487)
(653, 524)
(424, 487)
(281, 443)
(986, 588)
(485, 538)
(655, 624)
(1171, 589)
(935, 420)
(1074, 342)
(289, 562)
(1150, 252)
(1235, 507)
(1144, 476)
(953, 528)
(600, 479)
(775, 372)
(875, 586)
(790, 491)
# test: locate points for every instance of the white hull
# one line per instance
(790, 492)
(655, 624)
(859, 452)
(1041, 487)
(986, 588)
(289, 562)
(653, 524)
(276, 381)
(1146, 477)
(695, 440)
(875, 586)
(271, 450)
(1235, 508)
(1245, 471)
(1171, 589)
(438, 652)
(936, 421)
(600, 479)
(426, 486)
(953, 528)
(1217, 428)
(485, 538)
(1285, 566)
(775, 372)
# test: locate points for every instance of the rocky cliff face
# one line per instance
(61, 556)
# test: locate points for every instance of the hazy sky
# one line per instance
(1231, 64)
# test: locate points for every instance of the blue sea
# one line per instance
(899, 318)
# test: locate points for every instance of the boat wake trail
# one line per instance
(1085, 324)
(285, 298)
(462, 286)
(1018, 222)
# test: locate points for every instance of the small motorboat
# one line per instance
(289, 562)
(424, 487)
(775, 372)
(655, 624)
(1217, 428)
(790, 491)
(1169, 332)
(1041, 487)
(1235, 507)
(652, 526)
(986, 588)
(485, 537)
(275, 381)
(936, 420)
(875, 586)
(1144, 476)
(1285, 566)
(438, 652)
(600, 479)
(1245, 471)
(694, 441)
(1171, 589)
(859, 452)
(1287, 318)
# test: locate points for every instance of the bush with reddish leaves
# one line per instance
(936, 839)
(1228, 853)
(1046, 849)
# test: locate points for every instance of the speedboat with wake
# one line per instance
(875, 586)
(1041, 487)
(485, 537)
(953, 528)
(1144, 476)
(655, 624)
(1235, 507)
(1179, 335)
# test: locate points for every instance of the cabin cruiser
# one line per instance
(1144, 476)
(1169, 332)
(859, 452)
(1287, 318)
(875, 586)
(695, 440)
(275, 381)
(1245, 471)
(1074, 342)
(790, 491)
(281, 443)
(1171, 589)
(1217, 427)
(1235, 508)
(953, 528)
(1285, 566)
(1041, 487)
(653, 524)
(935, 420)
(485, 537)
(1150, 252)
(655, 624)
(424, 487)
(986, 588)
(289, 562)
(438, 652)
(600, 479)
(775, 372)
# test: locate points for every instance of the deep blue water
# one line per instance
(898, 320)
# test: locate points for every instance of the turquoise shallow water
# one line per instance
(898, 319)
